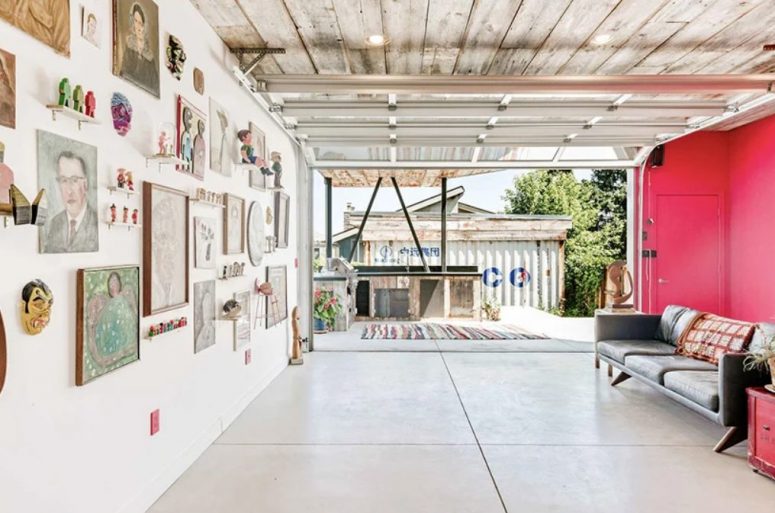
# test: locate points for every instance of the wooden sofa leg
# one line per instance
(597, 361)
(622, 376)
(733, 436)
(610, 370)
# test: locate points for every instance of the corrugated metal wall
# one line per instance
(541, 259)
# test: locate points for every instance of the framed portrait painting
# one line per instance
(204, 315)
(108, 321)
(282, 211)
(277, 303)
(7, 89)
(165, 249)
(47, 21)
(233, 225)
(67, 169)
(136, 43)
(190, 142)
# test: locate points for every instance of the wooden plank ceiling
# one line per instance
(501, 37)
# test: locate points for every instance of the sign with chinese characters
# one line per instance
(390, 255)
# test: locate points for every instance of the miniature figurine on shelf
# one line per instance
(247, 151)
(65, 93)
(135, 214)
(277, 168)
(78, 98)
(120, 178)
(165, 141)
(126, 215)
(90, 104)
(130, 182)
(113, 213)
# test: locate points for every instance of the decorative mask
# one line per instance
(121, 110)
(36, 304)
(176, 57)
(199, 81)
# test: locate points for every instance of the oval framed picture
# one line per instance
(256, 237)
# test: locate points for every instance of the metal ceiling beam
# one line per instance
(500, 84)
(496, 131)
(465, 164)
(428, 123)
(510, 142)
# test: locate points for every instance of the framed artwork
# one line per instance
(242, 325)
(190, 143)
(90, 26)
(222, 140)
(256, 238)
(233, 225)
(7, 89)
(165, 249)
(282, 212)
(204, 243)
(48, 22)
(136, 43)
(204, 315)
(67, 169)
(277, 303)
(108, 321)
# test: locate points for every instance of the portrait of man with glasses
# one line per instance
(68, 170)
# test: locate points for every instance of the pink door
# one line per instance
(687, 267)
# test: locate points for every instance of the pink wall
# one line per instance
(752, 221)
(738, 166)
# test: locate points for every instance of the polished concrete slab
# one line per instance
(459, 432)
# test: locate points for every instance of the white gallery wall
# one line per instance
(68, 449)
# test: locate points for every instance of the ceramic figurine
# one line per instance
(277, 168)
(90, 104)
(232, 309)
(225, 272)
(176, 57)
(126, 215)
(247, 152)
(135, 214)
(130, 181)
(120, 178)
(65, 93)
(78, 98)
(35, 305)
(113, 213)
(121, 112)
(296, 356)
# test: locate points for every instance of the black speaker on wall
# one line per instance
(658, 156)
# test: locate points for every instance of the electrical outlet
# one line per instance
(248, 356)
(154, 422)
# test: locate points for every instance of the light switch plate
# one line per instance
(248, 356)
(154, 422)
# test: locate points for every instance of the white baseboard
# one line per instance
(159, 484)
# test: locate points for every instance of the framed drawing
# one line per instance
(256, 239)
(204, 243)
(108, 321)
(68, 170)
(90, 26)
(7, 89)
(190, 142)
(277, 303)
(204, 315)
(48, 22)
(222, 140)
(233, 225)
(282, 212)
(242, 325)
(165, 249)
(136, 43)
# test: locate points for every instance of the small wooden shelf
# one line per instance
(230, 277)
(120, 190)
(208, 203)
(242, 166)
(161, 160)
(154, 337)
(128, 226)
(226, 319)
(71, 113)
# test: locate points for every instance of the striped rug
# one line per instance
(437, 331)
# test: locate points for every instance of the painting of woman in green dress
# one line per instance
(108, 320)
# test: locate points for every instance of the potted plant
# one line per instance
(765, 357)
(492, 308)
(325, 310)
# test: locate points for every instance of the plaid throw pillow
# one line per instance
(711, 336)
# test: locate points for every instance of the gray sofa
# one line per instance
(643, 347)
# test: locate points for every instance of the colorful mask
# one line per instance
(176, 57)
(121, 110)
(36, 304)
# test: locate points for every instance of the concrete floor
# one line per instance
(452, 432)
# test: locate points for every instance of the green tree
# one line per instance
(597, 208)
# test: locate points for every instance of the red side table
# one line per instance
(761, 431)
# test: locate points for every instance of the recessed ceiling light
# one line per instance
(376, 40)
(601, 39)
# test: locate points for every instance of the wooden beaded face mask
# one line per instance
(36, 304)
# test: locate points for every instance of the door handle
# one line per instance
(662, 281)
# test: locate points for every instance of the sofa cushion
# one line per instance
(700, 387)
(674, 321)
(710, 336)
(655, 367)
(618, 349)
